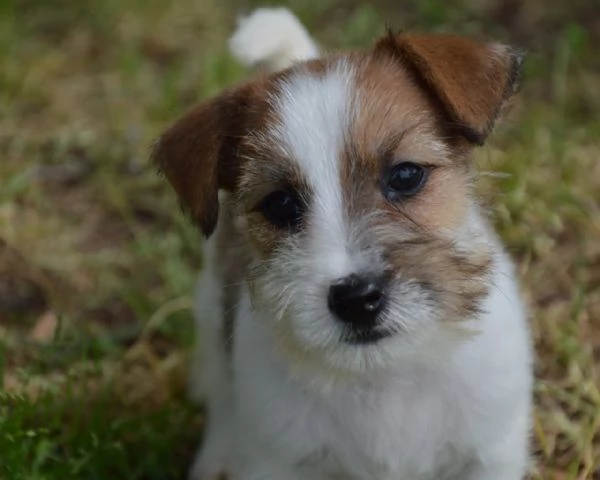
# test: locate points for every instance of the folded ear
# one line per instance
(471, 80)
(198, 155)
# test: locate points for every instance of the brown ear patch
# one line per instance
(187, 154)
(471, 80)
(199, 154)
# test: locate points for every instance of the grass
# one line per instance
(97, 265)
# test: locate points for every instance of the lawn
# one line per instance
(97, 264)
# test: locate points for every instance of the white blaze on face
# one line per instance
(315, 112)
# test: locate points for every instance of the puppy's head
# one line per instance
(352, 172)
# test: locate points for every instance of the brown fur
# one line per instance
(398, 123)
(471, 80)
(457, 282)
(200, 153)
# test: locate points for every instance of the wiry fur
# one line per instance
(446, 395)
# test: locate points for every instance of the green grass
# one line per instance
(97, 264)
(103, 439)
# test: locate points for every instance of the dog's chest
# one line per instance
(409, 430)
(400, 434)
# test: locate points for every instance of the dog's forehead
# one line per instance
(328, 114)
(313, 114)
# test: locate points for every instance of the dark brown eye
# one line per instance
(282, 209)
(405, 180)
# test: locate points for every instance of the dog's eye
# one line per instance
(406, 179)
(282, 209)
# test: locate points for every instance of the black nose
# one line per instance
(357, 300)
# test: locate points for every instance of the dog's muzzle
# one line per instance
(357, 301)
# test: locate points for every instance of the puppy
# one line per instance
(359, 319)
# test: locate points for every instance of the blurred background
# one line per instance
(97, 264)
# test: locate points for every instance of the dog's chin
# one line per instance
(316, 345)
(365, 336)
(349, 355)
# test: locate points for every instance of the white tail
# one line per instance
(273, 38)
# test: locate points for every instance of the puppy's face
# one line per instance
(353, 177)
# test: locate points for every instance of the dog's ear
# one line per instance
(198, 154)
(471, 80)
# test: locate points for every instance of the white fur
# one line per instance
(273, 37)
(415, 423)
(319, 109)
(300, 404)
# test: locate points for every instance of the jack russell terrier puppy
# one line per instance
(359, 318)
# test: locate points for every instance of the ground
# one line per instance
(97, 264)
